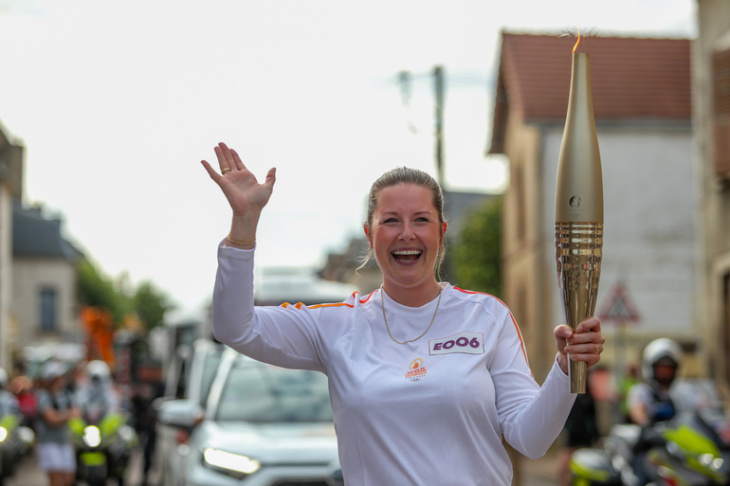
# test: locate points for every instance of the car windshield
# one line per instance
(256, 392)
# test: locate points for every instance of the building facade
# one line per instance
(711, 79)
(11, 187)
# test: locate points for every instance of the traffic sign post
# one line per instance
(619, 310)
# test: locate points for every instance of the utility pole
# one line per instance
(437, 74)
(438, 88)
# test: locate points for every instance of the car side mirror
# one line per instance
(180, 413)
(335, 477)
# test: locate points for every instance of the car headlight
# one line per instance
(235, 465)
(3, 433)
(92, 436)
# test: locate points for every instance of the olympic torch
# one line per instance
(579, 209)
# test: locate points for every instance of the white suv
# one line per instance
(262, 426)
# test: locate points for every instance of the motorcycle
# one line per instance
(103, 448)
(15, 442)
(693, 448)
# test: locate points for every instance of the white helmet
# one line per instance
(52, 370)
(657, 350)
(3, 378)
(98, 369)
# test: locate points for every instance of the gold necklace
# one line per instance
(382, 306)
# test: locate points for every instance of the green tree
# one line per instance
(118, 296)
(150, 303)
(476, 255)
(97, 290)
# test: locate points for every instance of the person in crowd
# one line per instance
(145, 422)
(56, 406)
(8, 401)
(626, 383)
(426, 379)
(650, 401)
(24, 390)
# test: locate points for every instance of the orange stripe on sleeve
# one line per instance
(338, 304)
(299, 305)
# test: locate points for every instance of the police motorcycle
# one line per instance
(690, 449)
(15, 439)
(102, 438)
(686, 443)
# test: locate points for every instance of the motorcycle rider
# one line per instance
(97, 397)
(101, 407)
(650, 402)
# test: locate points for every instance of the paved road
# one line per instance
(29, 473)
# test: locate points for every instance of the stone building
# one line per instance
(11, 187)
(711, 80)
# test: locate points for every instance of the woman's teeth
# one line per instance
(407, 254)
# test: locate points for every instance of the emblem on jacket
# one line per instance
(416, 370)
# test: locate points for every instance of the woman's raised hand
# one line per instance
(243, 191)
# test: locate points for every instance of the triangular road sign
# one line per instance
(619, 307)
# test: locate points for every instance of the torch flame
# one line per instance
(577, 41)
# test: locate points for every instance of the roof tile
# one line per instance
(632, 78)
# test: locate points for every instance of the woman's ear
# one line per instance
(443, 230)
(367, 234)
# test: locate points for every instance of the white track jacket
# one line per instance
(430, 412)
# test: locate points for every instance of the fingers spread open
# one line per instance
(211, 172)
(237, 160)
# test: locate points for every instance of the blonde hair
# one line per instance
(405, 175)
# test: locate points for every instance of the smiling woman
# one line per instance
(420, 373)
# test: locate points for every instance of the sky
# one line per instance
(116, 103)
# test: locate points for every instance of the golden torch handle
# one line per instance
(578, 250)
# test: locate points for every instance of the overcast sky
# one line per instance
(117, 103)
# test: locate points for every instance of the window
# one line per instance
(48, 299)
